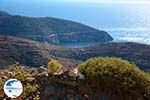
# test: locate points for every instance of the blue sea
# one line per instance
(130, 35)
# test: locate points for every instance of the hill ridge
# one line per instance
(41, 29)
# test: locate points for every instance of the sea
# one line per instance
(141, 36)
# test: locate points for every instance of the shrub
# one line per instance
(31, 92)
(31, 88)
(19, 72)
(54, 66)
(1, 89)
(116, 77)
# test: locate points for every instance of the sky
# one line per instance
(97, 13)
(89, 1)
(103, 1)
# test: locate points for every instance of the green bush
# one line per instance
(54, 66)
(1, 88)
(31, 88)
(116, 77)
(19, 72)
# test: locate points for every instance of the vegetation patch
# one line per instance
(116, 78)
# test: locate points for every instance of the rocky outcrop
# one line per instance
(57, 87)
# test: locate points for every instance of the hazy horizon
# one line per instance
(97, 13)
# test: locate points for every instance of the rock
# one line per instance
(42, 69)
(31, 79)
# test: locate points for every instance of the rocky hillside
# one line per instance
(24, 51)
(36, 54)
(133, 52)
(29, 53)
(50, 30)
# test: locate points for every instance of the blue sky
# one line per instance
(97, 1)
(96, 13)
(84, 1)
(104, 1)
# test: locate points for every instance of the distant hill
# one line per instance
(36, 54)
(2, 13)
(50, 30)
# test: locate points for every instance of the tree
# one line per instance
(54, 66)
(116, 77)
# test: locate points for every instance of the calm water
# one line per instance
(131, 35)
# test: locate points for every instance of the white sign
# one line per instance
(13, 88)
